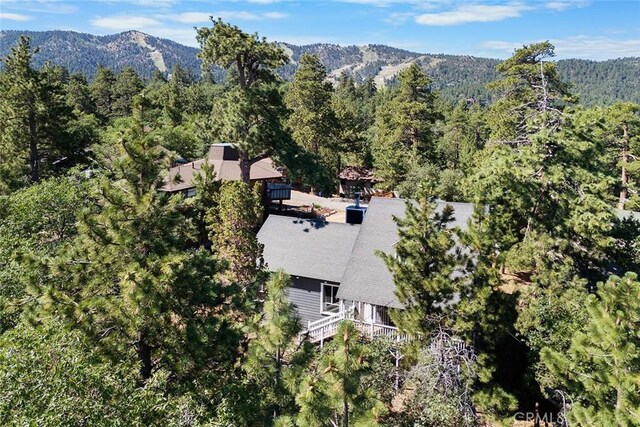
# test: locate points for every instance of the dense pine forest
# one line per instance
(113, 310)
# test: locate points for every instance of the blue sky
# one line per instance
(592, 29)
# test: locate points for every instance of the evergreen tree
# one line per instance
(423, 266)
(125, 88)
(36, 221)
(333, 391)
(275, 350)
(250, 112)
(233, 223)
(52, 375)
(129, 280)
(601, 369)
(623, 131)
(404, 128)
(79, 95)
(354, 113)
(102, 94)
(34, 114)
(532, 95)
(547, 226)
(463, 137)
(312, 121)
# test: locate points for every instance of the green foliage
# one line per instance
(403, 128)
(35, 115)
(601, 369)
(312, 120)
(464, 134)
(274, 353)
(126, 86)
(354, 108)
(232, 224)
(531, 91)
(102, 92)
(422, 266)
(36, 221)
(53, 376)
(332, 391)
(622, 130)
(129, 280)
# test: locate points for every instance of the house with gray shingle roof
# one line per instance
(334, 267)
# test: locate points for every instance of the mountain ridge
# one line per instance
(454, 76)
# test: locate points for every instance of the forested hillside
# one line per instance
(454, 76)
(122, 303)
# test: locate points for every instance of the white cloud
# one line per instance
(202, 17)
(124, 22)
(561, 5)
(145, 3)
(468, 13)
(397, 18)
(386, 3)
(40, 6)
(585, 47)
(275, 15)
(14, 16)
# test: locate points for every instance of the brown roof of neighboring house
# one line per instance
(224, 160)
(357, 173)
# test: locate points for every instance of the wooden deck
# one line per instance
(326, 328)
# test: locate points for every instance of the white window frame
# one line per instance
(322, 302)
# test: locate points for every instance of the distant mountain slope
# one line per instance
(80, 52)
(455, 76)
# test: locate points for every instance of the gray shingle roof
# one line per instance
(313, 249)
(624, 214)
(366, 277)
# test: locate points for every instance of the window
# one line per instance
(330, 302)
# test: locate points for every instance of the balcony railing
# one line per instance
(327, 327)
(277, 191)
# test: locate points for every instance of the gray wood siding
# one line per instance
(305, 295)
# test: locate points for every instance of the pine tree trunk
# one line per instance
(245, 168)
(33, 147)
(624, 176)
(345, 413)
(144, 356)
(276, 408)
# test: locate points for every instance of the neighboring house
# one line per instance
(224, 158)
(355, 179)
(336, 273)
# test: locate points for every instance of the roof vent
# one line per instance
(355, 213)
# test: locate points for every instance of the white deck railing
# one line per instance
(327, 327)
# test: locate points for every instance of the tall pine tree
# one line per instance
(601, 369)
(312, 120)
(129, 280)
(249, 114)
(404, 135)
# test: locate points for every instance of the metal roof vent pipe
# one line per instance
(355, 213)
